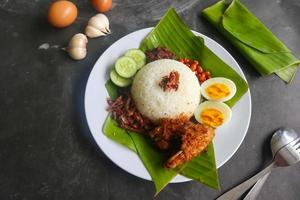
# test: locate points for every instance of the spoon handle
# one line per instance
(236, 192)
(253, 193)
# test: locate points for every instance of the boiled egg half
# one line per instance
(213, 113)
(218, 89)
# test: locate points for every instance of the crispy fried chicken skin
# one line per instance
(168, 131)
(193, 138)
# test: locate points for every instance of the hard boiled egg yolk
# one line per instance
(212, 117)
(217, 91)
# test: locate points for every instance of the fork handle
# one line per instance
(236, 192)
(253, 193)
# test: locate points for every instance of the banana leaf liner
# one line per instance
(253, 39)
(171, 32)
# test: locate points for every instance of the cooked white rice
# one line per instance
(155, 103)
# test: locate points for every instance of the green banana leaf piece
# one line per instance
(153, 160)
(113, 131)
(255, 41)
(202, 168)
(171, 32)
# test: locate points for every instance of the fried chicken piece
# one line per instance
(168, 130)
(194, 139)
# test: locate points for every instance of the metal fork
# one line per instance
(286, 156)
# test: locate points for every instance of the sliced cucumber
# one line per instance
(126, 67)
(119, 80)
(138, 56)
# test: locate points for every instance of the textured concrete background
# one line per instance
(46, 149)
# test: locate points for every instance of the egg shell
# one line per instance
(62, 13)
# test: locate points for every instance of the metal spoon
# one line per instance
(285, 145)
(280, 138)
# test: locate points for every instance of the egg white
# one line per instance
(222, 107)
(218, 80)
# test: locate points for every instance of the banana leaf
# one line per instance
(118, 134)
(202, 168)
(153, 159)
(253, 39)
(173, 33)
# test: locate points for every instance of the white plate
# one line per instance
(227, 140)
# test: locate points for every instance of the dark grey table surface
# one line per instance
(46, 149)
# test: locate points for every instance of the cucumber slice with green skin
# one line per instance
(138, 56)
(126, 67)
(119, 80)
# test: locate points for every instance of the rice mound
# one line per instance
(154, 103)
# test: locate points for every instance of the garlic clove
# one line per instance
(92, 32)
(78, 40)
(106, 30)
(100, 23)
(79, 36)
(77, 46)
(77, 53)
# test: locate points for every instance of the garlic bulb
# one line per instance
(77, 46)
(97, 26)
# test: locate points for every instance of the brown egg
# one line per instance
(62, 13)
(102, 5)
